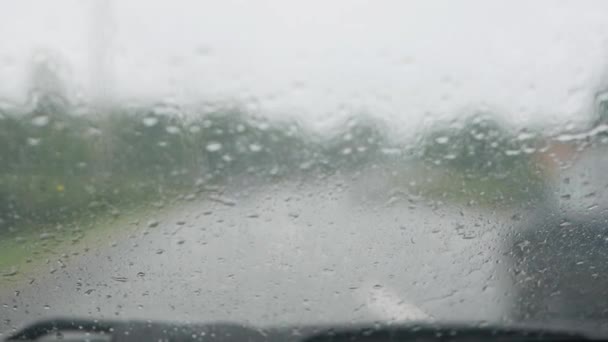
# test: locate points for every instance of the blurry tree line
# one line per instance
(54, 164)
(57, 162)
(484, 159)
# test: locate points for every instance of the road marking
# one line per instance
(389, 306)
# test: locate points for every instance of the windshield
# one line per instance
(278, 163)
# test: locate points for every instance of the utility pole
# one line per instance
(101, 64)
(101, 34)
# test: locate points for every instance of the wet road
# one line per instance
(287, 253)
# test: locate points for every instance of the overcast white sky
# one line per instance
(534, 60)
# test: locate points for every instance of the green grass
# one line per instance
(27, 251)
(483, 190)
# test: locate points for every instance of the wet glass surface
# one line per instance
(288, 164)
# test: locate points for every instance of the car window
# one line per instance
(280, 163)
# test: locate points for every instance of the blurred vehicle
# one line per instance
(560, 249)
